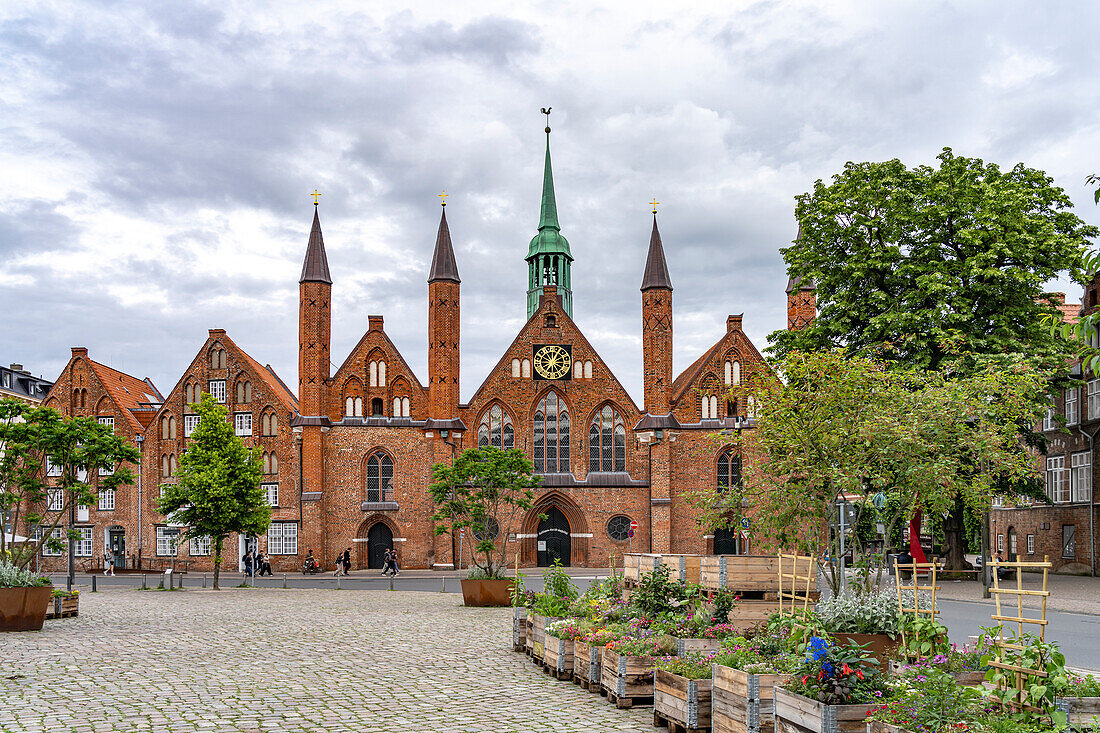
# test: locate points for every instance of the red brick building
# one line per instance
(349, 459)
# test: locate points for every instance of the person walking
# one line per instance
(264, 562)
(339, 564)
(108, 562)
(247, 559)
(393, 562)
(347, 561)
(386, 563)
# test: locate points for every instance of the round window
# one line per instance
(618, 528)
(492, 527)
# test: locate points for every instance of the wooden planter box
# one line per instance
(742, 573)
(747, 614)
(798, 714)
(558, 657)
(529, 634)
(586, 665)
(743, 702)
(1082, 711)
(519, 629)
(628, 681)
(680, 567)
(680, 703)
(968, 678)
(877, 726)
(63, 606)
(703, 646)
(538, 632)
(882, 647)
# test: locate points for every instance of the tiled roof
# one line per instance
(128, 391)
(656, 269)
(315, 266)
(271, 379)
(444, 266)
(687, 377)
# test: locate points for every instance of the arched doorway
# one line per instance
(379, 540)
(1013, 550)
(553, 538)
(116, 546)
(726, 542)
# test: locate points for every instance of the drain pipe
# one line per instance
(141, 464)
(1092, 500)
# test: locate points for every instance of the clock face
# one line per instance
(553, 362)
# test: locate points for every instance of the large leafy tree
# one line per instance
(218, 492)
(85, 457)
(936, 267)
(482, 493)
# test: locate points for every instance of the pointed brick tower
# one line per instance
(443, 331)
(801, 301)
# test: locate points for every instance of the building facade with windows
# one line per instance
(18, 383)
(1066, 529)
(349, 457)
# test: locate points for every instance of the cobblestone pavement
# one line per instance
(286, 660)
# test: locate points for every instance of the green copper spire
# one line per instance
(548, 257)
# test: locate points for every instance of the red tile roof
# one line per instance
(271, 379)
(128, 392)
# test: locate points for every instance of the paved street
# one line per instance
(286, 660)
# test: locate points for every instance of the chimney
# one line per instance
(80, 351)
(733, 322)
(16, 367)
(217, 332)
(374, 323)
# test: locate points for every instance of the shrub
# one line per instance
(863, 613)
(13, 577)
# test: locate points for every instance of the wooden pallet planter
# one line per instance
(587, 670)
(63, 606)
(538, 632)
(1081, 711)
(747, 614)
(519, 629)
(680, 703)
(684, 568)
(558, 657)
(743, 702)
(739, 573)
(628, 681)
(798, 714)
(529, 634)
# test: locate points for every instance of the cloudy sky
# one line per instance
(156, 157)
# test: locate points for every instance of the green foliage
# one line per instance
(79, 448)
(866, 613)
(1082, 686)
(660, 645)
(655, 593)
(693, 666)
(930, 700)
(218, 491)
(837, 675)
(1036, 654)
(16, 577)
(768, 653)
(925, 636)
(483, 492)
(556, 582)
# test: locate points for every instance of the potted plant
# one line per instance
(1080, 700)
(553, 604)
(833, 690)
(476, 499)
(588, 655)
(868, 620)
(682, 692)
(24, 597)
(930, 699)
(627, 673)
(745, 673)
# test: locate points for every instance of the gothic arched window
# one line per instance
(552, 435)
(607, 442)
(729, 470)
(496, 429)
(379, 476)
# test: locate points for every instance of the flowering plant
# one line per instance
(602, 637)
(764, 654)
(650, 646)
(694, 666)
(837, 675)
(569, 629)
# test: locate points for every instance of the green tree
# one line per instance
(86, 458)
(218, 492)
(482, 493)
(936, 267)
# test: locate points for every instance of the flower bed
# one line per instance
(682, 692)
(745, 673)
(833, 690)
(63, 604)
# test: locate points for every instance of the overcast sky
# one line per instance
(156, 157)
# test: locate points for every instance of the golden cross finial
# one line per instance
(316, 194)
(444, 197)
(655, 203)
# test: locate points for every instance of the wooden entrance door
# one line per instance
(725, 542)
(553, 538)
(379, 540)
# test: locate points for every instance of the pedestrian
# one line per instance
(263, 563)
(339, 564)
(247, 560)
(393, 562)
(108, 562)
(386, 562)
(347, 561)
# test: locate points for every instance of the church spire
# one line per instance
(656, 269)
(548, 256)
(315, 266)
(444, 266)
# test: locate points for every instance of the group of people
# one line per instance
(256, 563)
(343, 563)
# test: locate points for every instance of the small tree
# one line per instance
(219, 484)
(482, 493)
(42, 452)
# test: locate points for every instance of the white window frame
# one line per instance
(216, 389)
(1031, 544)
(55, 500)
(282, 538)
(82, 545)
(1073, 414)
(106, 500)
(1048, 420)
(200, 546)
(271, 492)
(242, 423)
(1080, 477)
(1093, 390)
(1057, 479)
(167, 541)
(109, 421)
(57, 533)
(1000, 543)
(52, 469)
(190, 422)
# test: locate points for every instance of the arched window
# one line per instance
(587, 370)
(270, 463)
(270, 424)
(172, 465)
(374, 374)
(714, 406)
(729, 470)
(381, 374)
(165, 471)
(405, 407)
(704, 407)
(377, 407)
(607, 441)
(736, 372)
(164, 428)
(379, 477)
(728, 374)
(552, 435)
(515, 368)
(526, 368)
(496, 429)
(353, 407)
(244, 391)
(190, 396)
(217, 359)
(578, 369)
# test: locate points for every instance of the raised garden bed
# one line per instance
(63, 605)
(529, 634)
(586, 665)
(742, 702)
(681, 703)
(538, 633)
(797, 714)
(557, 657)
(1082, 711)
(703, 646)
(748, 613)
(519, 629)
(628, 681)
(882, 647)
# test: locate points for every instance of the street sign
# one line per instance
(746, 522)
(633, 526)
(630, 532)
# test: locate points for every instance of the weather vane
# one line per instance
(546, 111)
(655, 203)
(316, 194)
(444, 197)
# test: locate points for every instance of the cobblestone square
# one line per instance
(286, 660)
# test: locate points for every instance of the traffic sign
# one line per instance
(633, 526)
(630, 532)
(746, 522)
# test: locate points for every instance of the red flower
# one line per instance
(846, 668)
(859, 673)
(820, 674)
(805, 679)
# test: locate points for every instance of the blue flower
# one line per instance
(818, 647)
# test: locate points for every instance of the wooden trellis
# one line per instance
(1014, 677)
(915, 569)
(789, 581)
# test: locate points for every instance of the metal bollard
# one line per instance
(391, 582)
(144, 586)
(337, 581)
(444, 588)
(204, 580)
(284, 581)
(93, 584)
